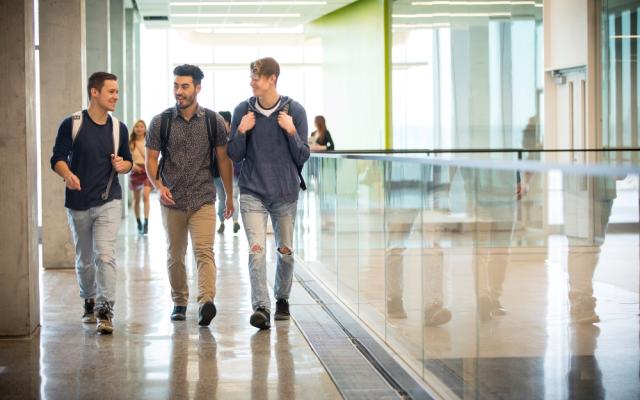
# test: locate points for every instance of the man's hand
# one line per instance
(229, 208)
(166, 197)
(286, 122)
(119, 164)
(72, 182)
(247, 123)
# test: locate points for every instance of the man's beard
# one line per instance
(188, 102)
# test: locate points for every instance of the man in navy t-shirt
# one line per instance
(89, 164)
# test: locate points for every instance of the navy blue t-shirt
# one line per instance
(89, 158)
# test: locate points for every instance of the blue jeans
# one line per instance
(222, 198)
(94, 234)
(254, 218)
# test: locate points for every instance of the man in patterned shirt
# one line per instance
(185, 185)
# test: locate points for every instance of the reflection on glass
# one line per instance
(587, 208)
(489, 282)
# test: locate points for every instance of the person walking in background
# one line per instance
(269, 137)
(139, 183)
(320, 139)
(90, 149)
(222, 197)
(191, 139)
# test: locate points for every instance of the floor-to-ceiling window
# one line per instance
(224, 59)
(620, 73)
(467, 75)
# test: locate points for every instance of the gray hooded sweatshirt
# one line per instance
(270, 157)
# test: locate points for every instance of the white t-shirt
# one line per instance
(268, 111)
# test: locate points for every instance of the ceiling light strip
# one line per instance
(249, 3)
(236, 15)
(450, 15)
(241, 25)
(474, 3)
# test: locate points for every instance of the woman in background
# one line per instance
(320, 139)
(138, 180)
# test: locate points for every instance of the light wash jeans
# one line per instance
(94, 234)
(222, 198)
(254, 218)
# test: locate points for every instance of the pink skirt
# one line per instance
(138, 180)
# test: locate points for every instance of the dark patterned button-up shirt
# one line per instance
(186, 172)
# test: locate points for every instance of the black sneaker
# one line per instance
(179, 313)
(260, 318)
(282, 310)
(221, 227)
(89, 316)
(236, 227)
(206, 313)
(145, 227)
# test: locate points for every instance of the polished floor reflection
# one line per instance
(150, 357)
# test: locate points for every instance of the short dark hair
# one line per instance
(226, 115)
(96, 81)
(265, 67)
(193, 71)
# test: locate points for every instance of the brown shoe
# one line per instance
(103, 319)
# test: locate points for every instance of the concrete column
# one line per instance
(130, 66)
(62, 92)
(18, 207)
(117, 49)
(138, 90)
(98, 37)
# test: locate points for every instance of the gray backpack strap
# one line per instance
(76, 123)
(116, 134)
(115, 131)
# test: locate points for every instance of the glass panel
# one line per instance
(346, 224)
(403, 258)
(371, 215)
(514, 282)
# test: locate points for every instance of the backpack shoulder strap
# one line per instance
(76, 122)
(165, 128)
(212, 126)
(303, 184)
(115, 130)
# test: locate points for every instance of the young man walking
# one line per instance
(190, 139)
(269, 135)
(85, 156)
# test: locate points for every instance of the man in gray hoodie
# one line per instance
(269, 136)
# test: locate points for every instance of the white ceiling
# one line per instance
(235, 13)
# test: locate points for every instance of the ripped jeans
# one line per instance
(254, 214)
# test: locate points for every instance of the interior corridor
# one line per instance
(151, 357)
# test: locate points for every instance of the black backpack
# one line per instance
(165, 131)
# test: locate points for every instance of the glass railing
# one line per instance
(490, 276)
